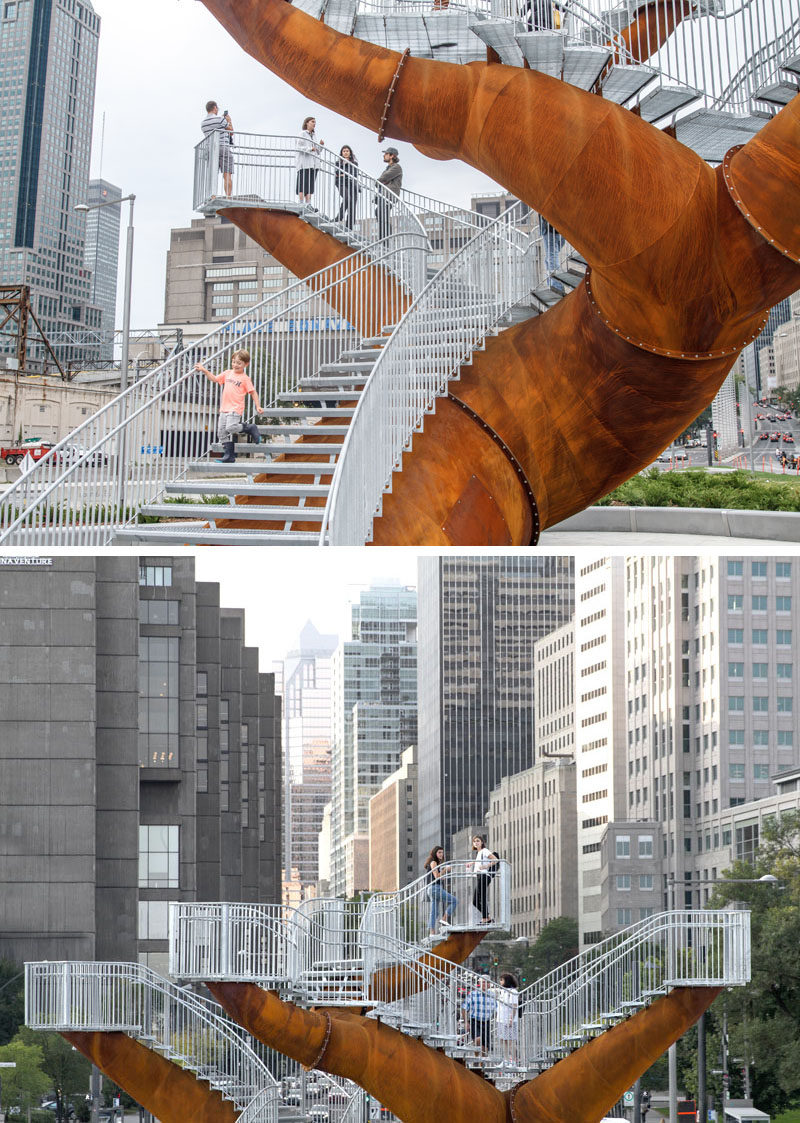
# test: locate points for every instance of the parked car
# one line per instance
(33, 446)
(763, 436)
(71, 454)
(788, 439)
(775, 437)
(51, 1105)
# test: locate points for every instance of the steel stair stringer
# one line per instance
(169, 1092)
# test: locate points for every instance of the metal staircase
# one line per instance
(128, 998)
(712, 82)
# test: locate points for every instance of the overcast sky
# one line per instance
(159, 62)
(281, 589)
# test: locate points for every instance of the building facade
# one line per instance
(374, 718)
(532, 822)
(49, 53)
(140, 745)
(307, 755)
(480, 617)
(102, 256)
(393, 828)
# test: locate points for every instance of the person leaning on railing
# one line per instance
(437, 877)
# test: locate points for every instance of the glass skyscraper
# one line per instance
(479, 618)
(374, 719)
(102, 257)
(307, 754)
(48, 65)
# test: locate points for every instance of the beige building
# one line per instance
(554, 669)
(532, 824)
(47, 407)
(786, 354)
(356, 853)
(393, 828)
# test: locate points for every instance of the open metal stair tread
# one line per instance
(224, 487)
(777, 93)
(584, 65)
(233, 511)
(624, 82)
(313, 396)
(309, 411)
(279, 467)
(197, 536)
(311, 429)
(665, 100)
(543, 51)
(501, 36)
(712, 132)
(791, 64)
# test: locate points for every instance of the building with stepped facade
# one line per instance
(118, 798)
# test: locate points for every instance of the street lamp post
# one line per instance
(126, 329)
(702, 1096)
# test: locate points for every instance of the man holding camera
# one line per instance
(215, 122)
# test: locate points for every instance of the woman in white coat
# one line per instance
(307, 160)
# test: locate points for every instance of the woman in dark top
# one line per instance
(437, 872)
(346, 180)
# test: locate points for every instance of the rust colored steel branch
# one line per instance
(651, 26)
(170, 1093)
(391, 983)
(641, 208)
(417, 1083)
(582, 1087)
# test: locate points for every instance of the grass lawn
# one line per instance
(698, 488)
(792, 1116)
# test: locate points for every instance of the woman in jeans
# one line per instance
(436, 890)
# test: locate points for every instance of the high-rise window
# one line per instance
(155, 575)
(158, 701)
(158, 857)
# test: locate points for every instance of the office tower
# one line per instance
(307, 754)
(215, 271)
(532, 824)
(479, 619)
(49, 61)
(600, 699)
(393, 828)
(102, 257)
(116, 797)
(374, 720)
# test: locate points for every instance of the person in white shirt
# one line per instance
(484, 865)
(308, 160)
(507, 997)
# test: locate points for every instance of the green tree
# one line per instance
(67, 1069)
(764, 1017)
(12, 1000)
(28, 1082)
(556, 943)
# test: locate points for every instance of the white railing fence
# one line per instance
(131, 999)
(461, 306)
(624, 972)
(276, 945)
(265, 175)
(123, 456)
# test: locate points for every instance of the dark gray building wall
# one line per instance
(47, 759)
(117, 756)
(249, 774)
(209, 655)
(232, 637)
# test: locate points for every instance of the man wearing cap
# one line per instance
(392, 179)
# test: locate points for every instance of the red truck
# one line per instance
(33, 445)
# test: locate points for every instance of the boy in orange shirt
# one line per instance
(236, 385)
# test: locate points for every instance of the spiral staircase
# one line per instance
(345, 403)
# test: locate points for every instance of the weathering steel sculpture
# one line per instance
(685, 261)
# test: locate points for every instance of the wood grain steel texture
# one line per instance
(678, 272)
(170, 1093)
(421, 1085)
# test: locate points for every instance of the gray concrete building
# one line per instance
(480, 616)
(49, 58)
(532, 822)
(140, 750)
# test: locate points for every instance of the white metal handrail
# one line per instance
(459, 307)
(265, 175)
(277, 945)
(123, 456)
(130, 998)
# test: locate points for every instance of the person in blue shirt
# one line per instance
(480, 1007)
